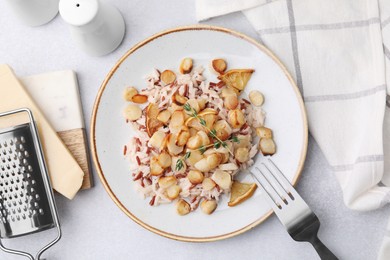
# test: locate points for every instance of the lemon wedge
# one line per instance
(237, 78)
(241, 192)
(152, 124)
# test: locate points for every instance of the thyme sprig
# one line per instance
(213, 134)
(180, 161)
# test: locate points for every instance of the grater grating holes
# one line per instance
(14, 154)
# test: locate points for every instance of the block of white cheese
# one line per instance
(52, 92)
(57, 96)
(65, 173)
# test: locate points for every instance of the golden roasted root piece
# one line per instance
(157, 140)
(236, 118)
(177, 121)
(264, 132)
(182, 207)
(223, 130)
(237, 78)
(164, 116)
(241, 192)
(179, 99)
(208, 206)
(210, 120)
(186, 66)
(182, 136)
(164, 159)
(218, 66)
(228, 167)
(267, 146)
(129, 92)
(173, 149)
(256, 98)
(195, 157)
(168, 76)
(222, 179)
(245, 141)
(132, 112)
(155, 168)
(173, 192)
(194, 142)
(208, 184)
(195, 177)
(242, 154)
(165, 182)
(231, 102)
(209, 162)
(225, 158)
(204, 138)
(139, 99)
(192, 131)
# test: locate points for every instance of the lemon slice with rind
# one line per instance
(237, 78)
(241, 192)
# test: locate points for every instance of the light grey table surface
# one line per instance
(94, 228)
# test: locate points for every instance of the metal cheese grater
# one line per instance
(26, 197)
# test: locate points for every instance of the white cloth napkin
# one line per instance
(338, 52)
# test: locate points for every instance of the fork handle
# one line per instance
(322, 250)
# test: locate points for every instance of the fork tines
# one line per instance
(279, 190)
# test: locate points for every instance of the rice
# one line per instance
(139, 152)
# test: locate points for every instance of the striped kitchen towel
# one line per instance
(339, 53)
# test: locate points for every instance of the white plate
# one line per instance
(283, 105)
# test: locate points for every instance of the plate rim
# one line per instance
(96, 107)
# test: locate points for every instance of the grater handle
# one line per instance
(15, 252)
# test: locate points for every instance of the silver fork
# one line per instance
(300, 221)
